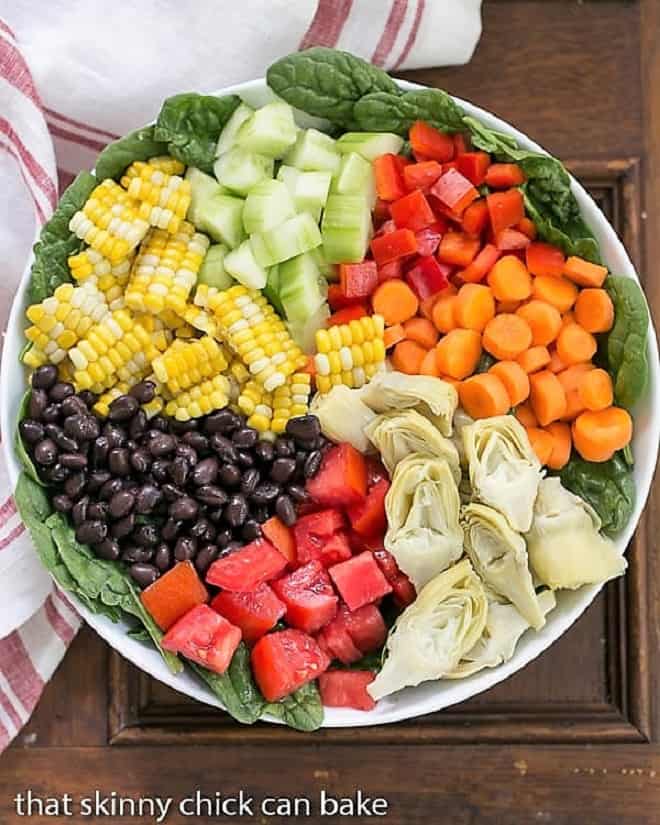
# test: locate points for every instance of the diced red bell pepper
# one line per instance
(458, 248)
(346, 689)
(320, 536)
(347, 314)
(421, 175)
(341, 479)
(393, 245)
(481, 265)
(504, 175)
(452, 164)
(387, 563)
(286, 660)
(389, 179)
(428, 277)
(375, 471)
(205, 637)
(403, 590)
(505, 209)
(402, 161)
(385, 228)
(527, 227)
(430, 142)
(337, 299)
(510, 239)
(358, 281)
(281, 537)
(365, 626)
(360, 580)
(172, 595)
(475, 217)
(254, 613)
(429, 238)
(412, 212)
(454, 191)
(461, 143)
(247, 568)
(474, 165)
(368, 517)
(391, 270)
(545, 259)
(309, 597)
(335, 639)
(381, 211)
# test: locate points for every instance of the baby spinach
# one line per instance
(625, 344)
(389, 112)
(301, 710)
(23, 455)
(138, 145)
(236, 688)
(190, 125)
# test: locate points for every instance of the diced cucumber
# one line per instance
(269, 131)
(299, 287)
(313, 151)
(346, 228)
(293, 237)
(220, 216)
(329, 271)
(272, 288)
(212, 271)
(203, 186)
(267, 205)
(242, 265)
(227, 139)
(239, 170)
(370, 144)
(304, 332)
(308, 189)
(355, 177)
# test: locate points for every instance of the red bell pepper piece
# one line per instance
(461, 143)
(391, 270)
(428, 277)
(475, 217)
(385, 228)
(341, 479)
(481, 265)
(504, 175)
(474, 166)
(393, 245)
(527, 227)
(430, 142)
(421, 175)
(505, 209)
(358, 280)
(344, 316)
(337, 299)
(389, 180)
(454, 191)
(510, 239)
(412, 212)
(402, 161)
(429, 238)
(368, 517)
(452, 164)
(281, 537)
(381, 211)
(458, 248)
(172, 595)
(545, 259)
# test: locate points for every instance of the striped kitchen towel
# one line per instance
(74, 74)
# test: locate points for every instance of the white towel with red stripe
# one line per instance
(74, 74)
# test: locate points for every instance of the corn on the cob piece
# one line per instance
(290, 400)
(164, 197)
(111, 279)
(257, 334)
(165, 270)
(102, 404)
(60, 320)
(186, 363)
(350, 353)
(109, 222)
(201, 399)
(200, 319)
(167, 164)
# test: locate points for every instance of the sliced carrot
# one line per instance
(506, 336)
(596, 391)
(534, 359)
(443, 314)
(575, 345)
(458, 353)
(556, 364)
(584, 273)
(506, 306)
(474, 306)
(407, 357)
(544, 321)
(547, 397)
(561, 447)
(594, 310)
(598, 435)
(429, 365)
(542, 443)
(515, 381)
(510, 280)
(527, 227)
(393, 335)
(422, 332)
(453, 381)
(525, 415)
(570, 379)
(395, 301)
(483, 396)
(426, 307)
(559, 292)
(567, 319)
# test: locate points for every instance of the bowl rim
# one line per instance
(387, 711)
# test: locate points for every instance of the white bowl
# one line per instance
(431, 696)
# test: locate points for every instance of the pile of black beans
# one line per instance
(154, 492)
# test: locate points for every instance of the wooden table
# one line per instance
(572, 739)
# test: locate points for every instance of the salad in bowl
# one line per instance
(330, 398)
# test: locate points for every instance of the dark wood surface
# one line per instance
(573, 739)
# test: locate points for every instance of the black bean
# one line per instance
(223, 537)
(121, 504)
(222, 421)
(185, 508)
(205, 558)
(124, 527)
(250, 530)
(98, 510)
(140, 460)
(297, 492)
(131, 445)
(250, 481)
(313, 463)
(162, 444)
(245, 438)
(75, 484)
(144, 392)
(181, 427)
(119, 461)
(45, 452)
(303, 427)
(132, 553)
(159, 470)
(285, 510)
(38, 403)
(236, 510)
(224, 448)
(97, 479)
(87, 397)
(203, 530)
(146, 498)
(143, 574)
(99, 451)
(61, 390)
(138, 424)
(112, 486)
(179, 471)
(123, 408)
(146, 535)
(163, 557)
(245, 458)
(206, 471)
(63, 441)
(260, 512)
(74, 406)
(79, 511)
(285, 447)
(282, 469)
(52, 414)
(265, 492)
(91, 532)
(160, 423)
(73, 461)
(108, 549)
(171, 492)
(215, 515)
(185, 548)
(198, 441)
(82, 427)
(115, 435)
(264, 451)
(62, 503)
(31, 431)
(57, 473)
(231, 548)
(229, 475)
(187, 453)
(44, 377)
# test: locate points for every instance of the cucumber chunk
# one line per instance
(220, 216)
(355, 177)
(272, 288)
(300, 287)
(304, 332)
(293, 237)
(346, 228)
(370, 144)
(269, 131)
(309, 190)
(329, 271)
(267, 205)
(203, 187)
(212, 271)
(313, 151)
(227, 139)
(239, 170)
(242, 265)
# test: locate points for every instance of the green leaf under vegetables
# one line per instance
(301, 710)
(190, 125)
(138, 145)
(21, 451)
(388, 112)
(370, 661)
(236, 688)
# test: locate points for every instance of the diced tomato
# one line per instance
(358, 280)
(428, 276)
(545, 259)
(361, 543)
(341, 479)
(286, 660)
(421, 175)
(309, 597)
(247, 568)
(403, 590)
(389, 180)
(504, 175)
(474, 165)
(454, 191)
(505, 209)
(365, 626)
(390, 270)
(412, 211)
(461, 143)
(375, 471)
(393, 245)
(346, 689)
(481, 265)
(510, 239)
(527, 227)
(347, 314)
(281, 537)
(337, 548)
(430, 142)
(381, 211)
(320, 536)
(458, 248)
(475, 217)
(254, 613)
(205, 637)
(387, 564)
(360, 580)
(172, 595)
(429, 238)
(336, 638)
(368, 517)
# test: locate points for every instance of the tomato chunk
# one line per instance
(336, 639)
(360, 580)
(368, 517)
(175, 593)
(309, 597)
(365, 626)
(245, 569)
(205, 637)
(412, 212)
(403, 590)
(358, 281)
(346, 689)
(285, 661)
(389, 180)
(505, 209)
(320, 536)
(454, 191)
(341, 479)
(393, 245)
(430, 143)
(255, 613)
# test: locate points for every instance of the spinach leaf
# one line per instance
(327, 83)
(236, 688)
(138, 145)
(21, 451)
(608, 486)
(139, 634)
(389, 112)
(301, 710)
(190, 125)
(56, 242)
(625, 343)
(370, 661)
(573, 239)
